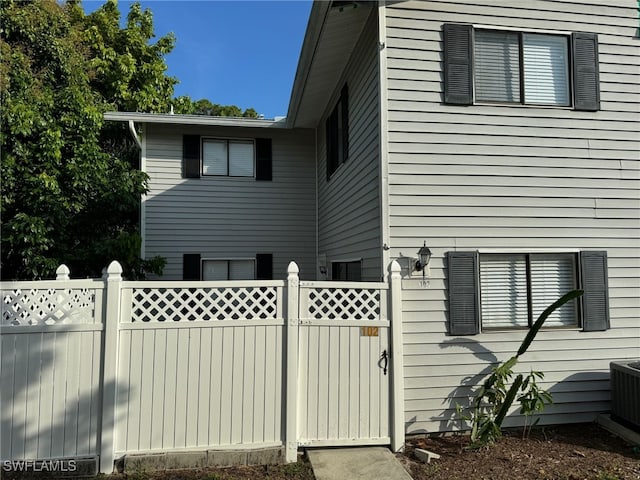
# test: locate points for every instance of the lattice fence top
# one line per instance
(48, 306)
(344, 303)
(191, 304)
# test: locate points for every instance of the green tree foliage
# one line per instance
(70, 182)
(185, 105)
(65, 197)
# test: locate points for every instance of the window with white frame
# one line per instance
(515, 289)
(242, 269)
(496, 65)
(233, 158)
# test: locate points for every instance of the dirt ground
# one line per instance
(570, 452)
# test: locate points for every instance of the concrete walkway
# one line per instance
(362, 463)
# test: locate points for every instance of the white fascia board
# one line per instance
(317, 17)
(194, 120)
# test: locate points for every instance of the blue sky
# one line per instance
(239, 52)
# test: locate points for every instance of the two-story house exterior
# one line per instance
(501, 136)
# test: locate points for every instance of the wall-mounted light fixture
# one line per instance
(424, 255)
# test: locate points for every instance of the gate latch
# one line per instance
(384, 359)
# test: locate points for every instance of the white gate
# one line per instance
(343, 389)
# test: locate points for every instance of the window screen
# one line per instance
(214, 157)
(240, 159)
(503, 291)
(551, 277)
(497, 66)
(546, 69)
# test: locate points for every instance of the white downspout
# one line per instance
(134, 134)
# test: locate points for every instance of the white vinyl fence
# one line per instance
(105, 368)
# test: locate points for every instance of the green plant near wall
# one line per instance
(492, 401)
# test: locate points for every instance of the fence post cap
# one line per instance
(114, 270)
(395, 267)
(293, 268)
(62, 273)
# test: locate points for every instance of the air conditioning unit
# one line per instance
(625, 393)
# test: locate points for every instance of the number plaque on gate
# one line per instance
(368, 331)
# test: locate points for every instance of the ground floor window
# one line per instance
(347, 271)
(243, 269)
(515, 289)
(498, 291)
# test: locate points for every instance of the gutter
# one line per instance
(169, 119)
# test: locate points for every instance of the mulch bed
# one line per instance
(569, 452)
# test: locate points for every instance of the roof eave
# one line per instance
(317, 17)
(170, 119)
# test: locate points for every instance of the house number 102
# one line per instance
(369, 331)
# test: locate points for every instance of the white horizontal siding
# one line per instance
(512, 177)
(225, 217)
(349, 203)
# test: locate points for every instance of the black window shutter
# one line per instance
(191, 266)
(595, 300)
(344, 101)
(586, 78)
(191, 156)
(264, 158)
(464, 315)
(458, 63)
(264, 266)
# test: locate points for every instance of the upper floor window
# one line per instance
(337, 130)
(234, 158)
(206, 156)
(483, 65)
(521, 68)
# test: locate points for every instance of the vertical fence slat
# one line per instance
(217, 371)
(192, 390)
(249, 392)
(45, 415)
(343, 382)
(204, 391)
(146, 387)
(227, 380)
(158, 394)
(259, 386)
(273, 370)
